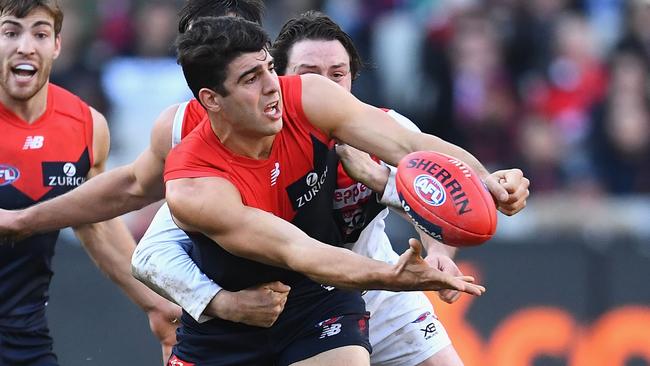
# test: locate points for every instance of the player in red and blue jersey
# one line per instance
(217, 193)
(52, 143)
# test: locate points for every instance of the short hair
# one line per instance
(22, 8)
(312, 25)
(251, 10)
(206, 49)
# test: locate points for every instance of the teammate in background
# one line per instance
(133, 186)
(53, 142)
(262, 157)
(313, 43)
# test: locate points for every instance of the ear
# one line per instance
(57, 45)
(210, 99)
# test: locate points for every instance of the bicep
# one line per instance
(213, 206)
(148, 168)
(339, 113)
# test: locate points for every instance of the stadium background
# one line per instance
(557, 87)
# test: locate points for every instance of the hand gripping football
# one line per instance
(446, 199)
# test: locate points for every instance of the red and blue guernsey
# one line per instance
(38, 161)
(296, 183)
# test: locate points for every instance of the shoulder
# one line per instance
(100, 137)
(161, 132)
(66, 103)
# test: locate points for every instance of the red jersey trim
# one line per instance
(294, 87)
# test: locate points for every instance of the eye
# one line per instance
(42, 35)
(272, 68)
(10, 34)
(251, 80)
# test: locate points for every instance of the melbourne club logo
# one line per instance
(429, 190)
(8, 174)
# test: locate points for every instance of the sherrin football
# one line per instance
(446, 199)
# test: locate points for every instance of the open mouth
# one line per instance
(24, 71)
(272, 110)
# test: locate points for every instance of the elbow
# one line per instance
(139, 262)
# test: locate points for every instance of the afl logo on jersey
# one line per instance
(8, 174)
(429, 190)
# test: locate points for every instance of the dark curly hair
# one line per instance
(251, 10)
(312, 25)
(206, 49)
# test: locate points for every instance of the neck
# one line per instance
(28, 110)
(250, 146)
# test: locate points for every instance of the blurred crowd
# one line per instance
(559, 88)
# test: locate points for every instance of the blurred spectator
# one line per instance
(76, 69)
(483, 98)
(145, 81)
(620, 142)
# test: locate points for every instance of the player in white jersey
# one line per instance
(403, 328)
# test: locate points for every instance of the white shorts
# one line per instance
(404, 330)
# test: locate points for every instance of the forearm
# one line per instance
(106, 196)
(110, 245)
(433, 247)
(430, 142)
(161, 261)
(285, 245)
(171, 273)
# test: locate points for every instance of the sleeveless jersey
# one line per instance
(295, 183)
(355, 205)
(39, 161)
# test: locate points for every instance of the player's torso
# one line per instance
(39, 161)
(296, 182)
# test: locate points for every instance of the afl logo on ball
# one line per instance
(429, 190)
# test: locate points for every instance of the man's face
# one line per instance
(254, 104)
(326, 58)
(28, 48)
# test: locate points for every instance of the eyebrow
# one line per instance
(310, 66)
(252, 70)
(17, 24)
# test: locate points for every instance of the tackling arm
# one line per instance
(106, 196)
(162, 262)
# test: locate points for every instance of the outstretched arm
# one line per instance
(161, 261)
(369, 129)
(106, 196)
(213, 206)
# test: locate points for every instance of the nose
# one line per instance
(271, 82)
(26, 45)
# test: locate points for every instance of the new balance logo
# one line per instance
(275, 173)
(33, 142)
(330, 330)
